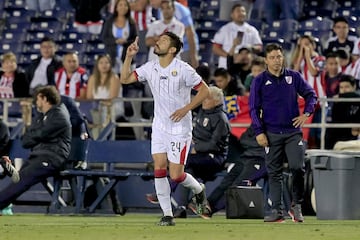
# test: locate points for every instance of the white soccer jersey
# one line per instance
(227, 33)
(171, 87)
(159, 27)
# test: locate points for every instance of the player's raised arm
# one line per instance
(127, 76)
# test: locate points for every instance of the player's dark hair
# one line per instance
(175, 41)
(348, 78)
(273, 47)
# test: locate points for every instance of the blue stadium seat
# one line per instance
(12, 36)
(14, 3)
(36, 37)
(210, 24)
(205, 34)
(16, 24)
(347, 12)
(78, 47)
(54, 26)
(14, 47)
(315, 12)
(96, 48)
(210, 9)
(258, 24)
(316, 24)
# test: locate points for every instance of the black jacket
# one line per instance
(55, 64)
(110, 41)
(49, 136)
(343, 112)
(20, 84)
(211, 131)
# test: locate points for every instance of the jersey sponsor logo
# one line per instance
(268, 82)
(300, 143)
(288, 79)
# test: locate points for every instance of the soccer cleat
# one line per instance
(152, 198)
(167, 221)
(9, 169)
(275, 216)
(296, 214)
(180, 212)
(206, 210)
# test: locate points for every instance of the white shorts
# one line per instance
(175, 146)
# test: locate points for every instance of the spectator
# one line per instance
(308, 62)
(189, 53)
(344, 112)
(118, 33)
(227, 83)
(88, 17)
(237, 32)
(41, 71)
(281, 9)
(171, 135)
(331, 75)
(13, 83)
(144, 15)
(344, 60)
(71, 80)
(257, 66)
(239, 65)
(104, 84)
(276, 121)
(342, 39)
(168, 24)
(49, 138)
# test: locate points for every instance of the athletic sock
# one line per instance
(192, 183)
(163, 191)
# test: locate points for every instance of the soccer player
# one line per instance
(170, 81)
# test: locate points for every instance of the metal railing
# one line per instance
(137, 122)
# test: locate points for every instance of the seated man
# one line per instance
(249, 168)
(344, 112)
(49, 138)
(210, 144)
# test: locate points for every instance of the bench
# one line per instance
(114, 160)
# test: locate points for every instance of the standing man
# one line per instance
(170, 81)
(277, 124)
(190, 40)
(49, 138)
(235, 35)
(168, 24)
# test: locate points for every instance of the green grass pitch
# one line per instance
(143, 226)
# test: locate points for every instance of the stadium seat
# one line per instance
(258, 24)
(315, 12)
(210, 9)
(205, 35)
(53, 26)
(13, 36)
(36, 37)
(316, 24)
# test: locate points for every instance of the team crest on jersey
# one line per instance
(288, 79)
(205, 122)
(174, 73)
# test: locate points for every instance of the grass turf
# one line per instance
(143, 226)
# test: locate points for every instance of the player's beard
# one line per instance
(158, 52)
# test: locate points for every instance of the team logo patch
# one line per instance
(174, 73)
(288, 79)
(205, 122)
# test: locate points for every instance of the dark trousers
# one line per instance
(285, 147)
(201, 166)
(241, 171)
(32, 172)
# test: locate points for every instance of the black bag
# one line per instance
(244, 202)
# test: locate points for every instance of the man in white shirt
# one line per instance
(236, 32)
(168, 24)
(41, 70)
(170, 81)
